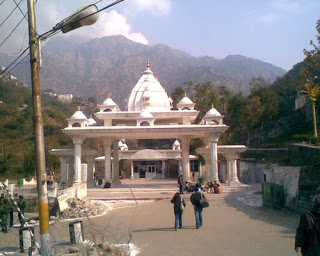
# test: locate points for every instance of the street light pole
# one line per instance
(83, 17)
(38, 134)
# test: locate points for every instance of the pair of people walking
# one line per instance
(179, 204)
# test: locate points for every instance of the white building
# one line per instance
(149, 115)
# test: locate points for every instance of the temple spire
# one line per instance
(148, 63)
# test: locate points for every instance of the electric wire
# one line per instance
(60, 25)
(20, 62)
(24, 38)
(24, 17)
(5, 70)
(17, 5)
(9, 14)
(11, 32)
(52, 34)
(2, 2)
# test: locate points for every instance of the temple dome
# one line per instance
(145, 114)
(176, 143)
(148, 94)
(213, 112)
(109, 102)
(213, 117)
(91, 121)
(78, 115)
(185, 104)
(108, 105)
(185, 100)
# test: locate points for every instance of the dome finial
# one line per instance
(78, 108)
(185, 94)
(109, 95)
(212, 105)
(148, 63)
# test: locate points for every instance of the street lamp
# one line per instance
(86, 16)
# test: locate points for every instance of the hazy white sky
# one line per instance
(275, 31)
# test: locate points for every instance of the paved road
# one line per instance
(231, 228)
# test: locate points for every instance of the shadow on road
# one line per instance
(284, 218)
(161, 229)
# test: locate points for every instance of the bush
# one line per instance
(309, 139)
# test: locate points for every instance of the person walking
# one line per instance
(22, 205)
(180, 182)
(178, 207)
(4, 213)
(308, 231)
(195, 199)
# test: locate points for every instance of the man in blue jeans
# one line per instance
(195, 200)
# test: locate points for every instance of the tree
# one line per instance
(177, 95)
(310, 81)
(268, 97)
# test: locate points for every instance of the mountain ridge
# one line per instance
(113, 64)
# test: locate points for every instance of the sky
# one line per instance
(274, 31)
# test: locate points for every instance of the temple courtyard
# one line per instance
(234, 224)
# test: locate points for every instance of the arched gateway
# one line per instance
(149, 115)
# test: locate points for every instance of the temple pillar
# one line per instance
(179, 168)
(228, 170)
(63, 170)
(107, 159)
(115, 179)
(185, 140)
(132, 170)
(232, 159)
(77, 142)
(214, 137)
(207, 173)
(163, 168)
(90, 171)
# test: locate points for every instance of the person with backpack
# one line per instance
(178, 208)
(308, 231)
(199, 202)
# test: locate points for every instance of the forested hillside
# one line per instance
(16, 130)
(267, 115)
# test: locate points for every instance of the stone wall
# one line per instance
(303, 154)
(251, 171)
(309, 186)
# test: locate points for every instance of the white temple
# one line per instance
(149, 115)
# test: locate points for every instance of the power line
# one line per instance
(24, 17)
(17, 5)
(20, 62)
(59, 26)
(14, 61)
(2, 2)
(24, 38)
(51, 31)
(9, 14)
(11, 32)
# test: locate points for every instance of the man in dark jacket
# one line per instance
(195, 200)
(180, 182)
(308, 231)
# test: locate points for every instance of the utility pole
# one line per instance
(38, 134)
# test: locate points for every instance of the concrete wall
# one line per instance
(251, 171)
(288, 177)
(78, 190)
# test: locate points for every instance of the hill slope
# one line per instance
(113, 64)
